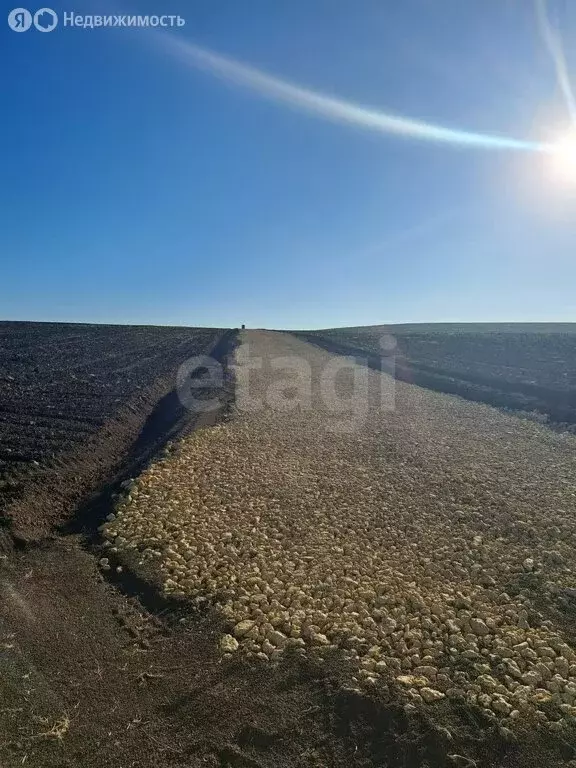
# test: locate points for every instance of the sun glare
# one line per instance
(564, 158)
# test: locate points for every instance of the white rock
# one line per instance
(243, 627)
(277, 638)
(229, 644)
(479, 627)
(426, 671)
(500, 705)
(430, 694)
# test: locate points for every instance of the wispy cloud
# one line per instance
(553, 43)
(335, 109)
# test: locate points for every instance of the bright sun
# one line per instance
(564, 158)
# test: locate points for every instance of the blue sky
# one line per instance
(140, 188)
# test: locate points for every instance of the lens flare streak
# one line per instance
(335, 109)
(554, 46)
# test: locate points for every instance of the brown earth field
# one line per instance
(73, 400)
(100, 668)
(526, 367)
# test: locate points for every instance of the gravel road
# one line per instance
(429, 538)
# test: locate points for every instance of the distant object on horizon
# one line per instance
(243, 326)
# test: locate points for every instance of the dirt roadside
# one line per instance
(52, 493)
(92, 677)
(61, 624)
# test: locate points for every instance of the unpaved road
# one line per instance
(433, 501)
(427, 537)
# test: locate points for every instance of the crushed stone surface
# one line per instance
(421, 534)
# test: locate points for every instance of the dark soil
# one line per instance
(100, 670)
(60, 382)
(529, 368)
(74, 400)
